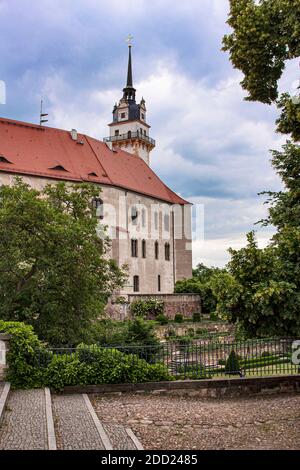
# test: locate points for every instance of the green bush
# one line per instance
(178, 318)
(162, 319)
(147, 308)
(232, 364)
(196, 317)
(32, 366)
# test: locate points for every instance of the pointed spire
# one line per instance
(129, 72)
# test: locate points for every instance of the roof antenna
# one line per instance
(42, 115)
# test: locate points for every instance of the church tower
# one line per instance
(129, 129)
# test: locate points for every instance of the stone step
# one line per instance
(122, 438)
(24, 423)
(76, 424)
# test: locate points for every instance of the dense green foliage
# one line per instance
(200, 284)
(265, 35)
(178, 318)
(149, 309)
(32, 365)
(54, 269)
(261, 290)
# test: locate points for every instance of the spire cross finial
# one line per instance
(129, 40)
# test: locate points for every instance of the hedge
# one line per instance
(31, 365)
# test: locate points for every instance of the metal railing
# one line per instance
(202, 359)
(129, 136)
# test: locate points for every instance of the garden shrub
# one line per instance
(147, 308)
(196, 317)
(162, 319)
(232, 364)
(32, 366)
(178, 318)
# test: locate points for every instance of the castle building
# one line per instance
(149, 224)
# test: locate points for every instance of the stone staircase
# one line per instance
(37, 420)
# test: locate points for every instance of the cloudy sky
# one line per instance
(212, 147)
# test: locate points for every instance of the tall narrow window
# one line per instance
(156, 250)
(134, 215)
(166, 222)
(97, 204)
(144, 252)
(143, 218)
(156, 220)
(136, 283)
(158, 283)
(134, 248)
(167, 251)
(117, 133)
(129, 134)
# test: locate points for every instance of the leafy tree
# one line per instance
(200, 284)
(55, 273)
(262, 290)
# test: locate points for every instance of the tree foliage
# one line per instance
(265, 34)
(200, 284)
(262, 288)
(55, 273)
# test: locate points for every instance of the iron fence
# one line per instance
(202, 359)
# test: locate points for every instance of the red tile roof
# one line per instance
(48, 152)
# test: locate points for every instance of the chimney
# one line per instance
(74, 134)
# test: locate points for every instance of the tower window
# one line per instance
(98, 207)
(144, 250)
(158, 283)
(123, 115)
(143, 116)
(117, 132)
(167, 251)
(136, 283)
(134, 248)
(156, 250)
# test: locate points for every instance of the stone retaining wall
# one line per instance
(216, 388)
(186, 304)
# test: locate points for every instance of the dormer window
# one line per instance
(58, 168)
(4, 160)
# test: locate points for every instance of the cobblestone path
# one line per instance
(24, 422)
(75, 428)
(177, 423)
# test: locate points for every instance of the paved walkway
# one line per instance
(24, 422)
(35, 420)
(75, 428)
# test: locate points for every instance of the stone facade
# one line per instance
(118, 204)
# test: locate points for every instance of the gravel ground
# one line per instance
(24, 422)
(174, 422)
(74, 426)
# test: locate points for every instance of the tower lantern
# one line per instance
(129, 129)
